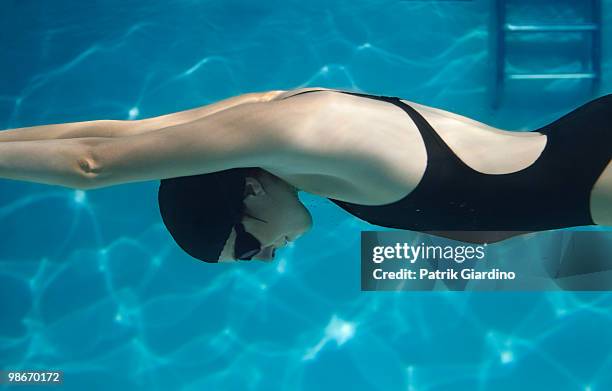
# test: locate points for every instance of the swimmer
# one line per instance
(230, 172)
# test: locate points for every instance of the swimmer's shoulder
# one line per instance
(283, 94)
(332, 140)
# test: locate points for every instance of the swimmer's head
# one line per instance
(206, 214)
(274, 215)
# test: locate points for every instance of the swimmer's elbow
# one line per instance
(90, 173)
(93, 173)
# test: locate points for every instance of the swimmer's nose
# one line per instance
(266, 254)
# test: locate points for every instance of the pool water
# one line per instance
(92, 284)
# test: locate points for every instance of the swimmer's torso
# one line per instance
(371, 152)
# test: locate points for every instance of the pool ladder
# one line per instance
(501, 28)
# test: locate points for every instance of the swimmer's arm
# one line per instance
(52, 162)
(97, 128)
(122, 128)
(264, 134)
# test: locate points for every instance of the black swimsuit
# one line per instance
(551, 193)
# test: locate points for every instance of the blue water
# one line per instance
(92, 284)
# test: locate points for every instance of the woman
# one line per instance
(231, 170)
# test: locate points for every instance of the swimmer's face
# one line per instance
(276, 202)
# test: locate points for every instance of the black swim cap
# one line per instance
(200, 211)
